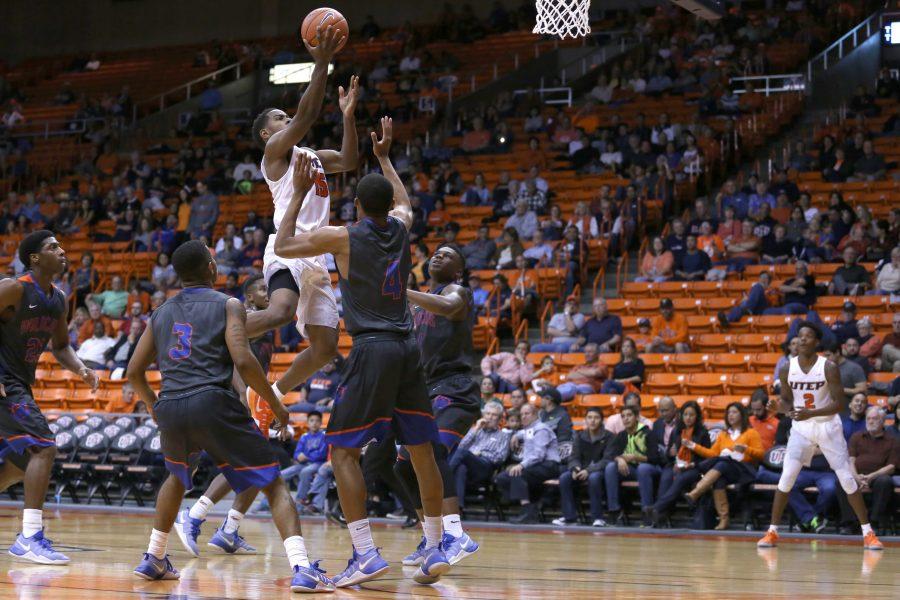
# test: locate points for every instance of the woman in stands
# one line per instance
(681, 462)
(657, 263)
(508, 249)
(731, 459)
(628, 374)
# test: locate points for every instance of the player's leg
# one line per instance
(284, 294)
(226, 538)
(155, 564)
(322, 348)
(799, 450)
(10, 475)
(431, 490)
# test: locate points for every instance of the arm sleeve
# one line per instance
(526, 373)
(487, 364)
(574, 461)
(705, 452)
(755, 450)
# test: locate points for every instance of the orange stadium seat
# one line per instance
(716, 405)
(745, 383)
(711, 342)
(764, 362)
(687, 363)
(706, 384)
(730, 362)
(655, 363)
(664, 383)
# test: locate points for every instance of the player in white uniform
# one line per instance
(303, 286)
(812, 395)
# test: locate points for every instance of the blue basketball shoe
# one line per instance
(311, 580)
(188, 529)
(417, 556)
(362, 568)
(156, 569)
(433, 565)
(457, 548)
(230, 543)
(37, 549)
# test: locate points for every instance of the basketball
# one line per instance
(326, 16)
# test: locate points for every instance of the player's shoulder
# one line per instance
(13, 286)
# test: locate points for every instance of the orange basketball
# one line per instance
(324, 16)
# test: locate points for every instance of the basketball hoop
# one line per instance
(565, 18)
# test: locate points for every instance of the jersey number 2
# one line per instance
(392, 285)
(182, 347)
(809, 401)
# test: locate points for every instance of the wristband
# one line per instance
(277, 392)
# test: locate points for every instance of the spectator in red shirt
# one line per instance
(764, 422)
(476, 139)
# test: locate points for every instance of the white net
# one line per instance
(565, 18)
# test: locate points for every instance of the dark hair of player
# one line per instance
(812, 326)
(375, 194)
(32, 245)
(259, 123)
(191, 260)
(250, 281)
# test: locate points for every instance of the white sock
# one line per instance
(866, 529)
(32, 521)
(201, 507)
(233, 521)
(159, 540)
(296, 551)
(434, 529)
(453, 525)
(361, 535)
(773, 528)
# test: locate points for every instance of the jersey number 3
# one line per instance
(809, 401)
(182, 347)
(392, 285)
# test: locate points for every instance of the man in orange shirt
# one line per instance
(668, 330)
(87, 328)
(764, 422)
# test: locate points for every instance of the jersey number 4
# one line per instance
(392, 285)
(182, 347)
(809, 401)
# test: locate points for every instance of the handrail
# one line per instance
(45, 131)
(236, 67)
(566, 91)
(868, 23)
(789, 82)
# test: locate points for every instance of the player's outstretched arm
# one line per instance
(66, 356)
(245, 363)
(382, 150)
(451, 303)
(143, 356)
(310, 105)
(348, 158)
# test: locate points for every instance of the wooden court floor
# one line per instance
(105, 546)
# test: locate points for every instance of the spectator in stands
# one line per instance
(851, 279)
(522, 483)
(765, 423)
(602, 329)
(533, 157)
(669, 330)
(628, 373)
(799, 293)
(246, 164)
(475, 139)
(92, 350)
(229, 235)
(836, 169)
(679, 471)
(844, 327)
(79, 318)
(870, 166)
(481, 452)
(571, 252)
(480, 252)
(614, 423)
(585, 468)
(563, 328)
(487, 391)
(887, 279)
(585, 378)
(855, 418)
(890, 351)
(523, 221)
(478, 193)
(156, 300)
(729, 228)
(508, 370)
(508, 248)
(547, 375)
(86, 278)
(228, 259)
(657, 264)
(479, 294)
(692, 264)
(204, 212)
(869, 343)
(663, 428)
(744, 248)
(851, 353)
(731, 197)
(112, 301)
(874, 458)
(555, 416)
(776, 248)
(231, 287)
(535, 198)
(310, 454)
(540, 254)
(517, 399)
(676, 241)
(163, 275)
(634, 455)
(317, 393)
(731, 459)
(584, 222)
(252, 252)
(853, 378)
(119, 354)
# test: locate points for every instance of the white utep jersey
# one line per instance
(316, 207)
(810, 389)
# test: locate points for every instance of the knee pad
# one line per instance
(790, 469)
(845, 477)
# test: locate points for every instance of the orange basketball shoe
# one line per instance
(770, 540)
(871, 542)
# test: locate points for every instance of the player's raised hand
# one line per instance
(347, 100)
(90, 378)
(800, 414)
(304, 175)
(382, 147)
(329, 41)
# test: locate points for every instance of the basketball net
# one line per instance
(565, 18)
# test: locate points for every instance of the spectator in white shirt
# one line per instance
(410, 62)
(230, 234)
(888, 279)
(524, 221)
(564, 328)
(93, 349)
(247, 165)
(534, 174)
(540, 254)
